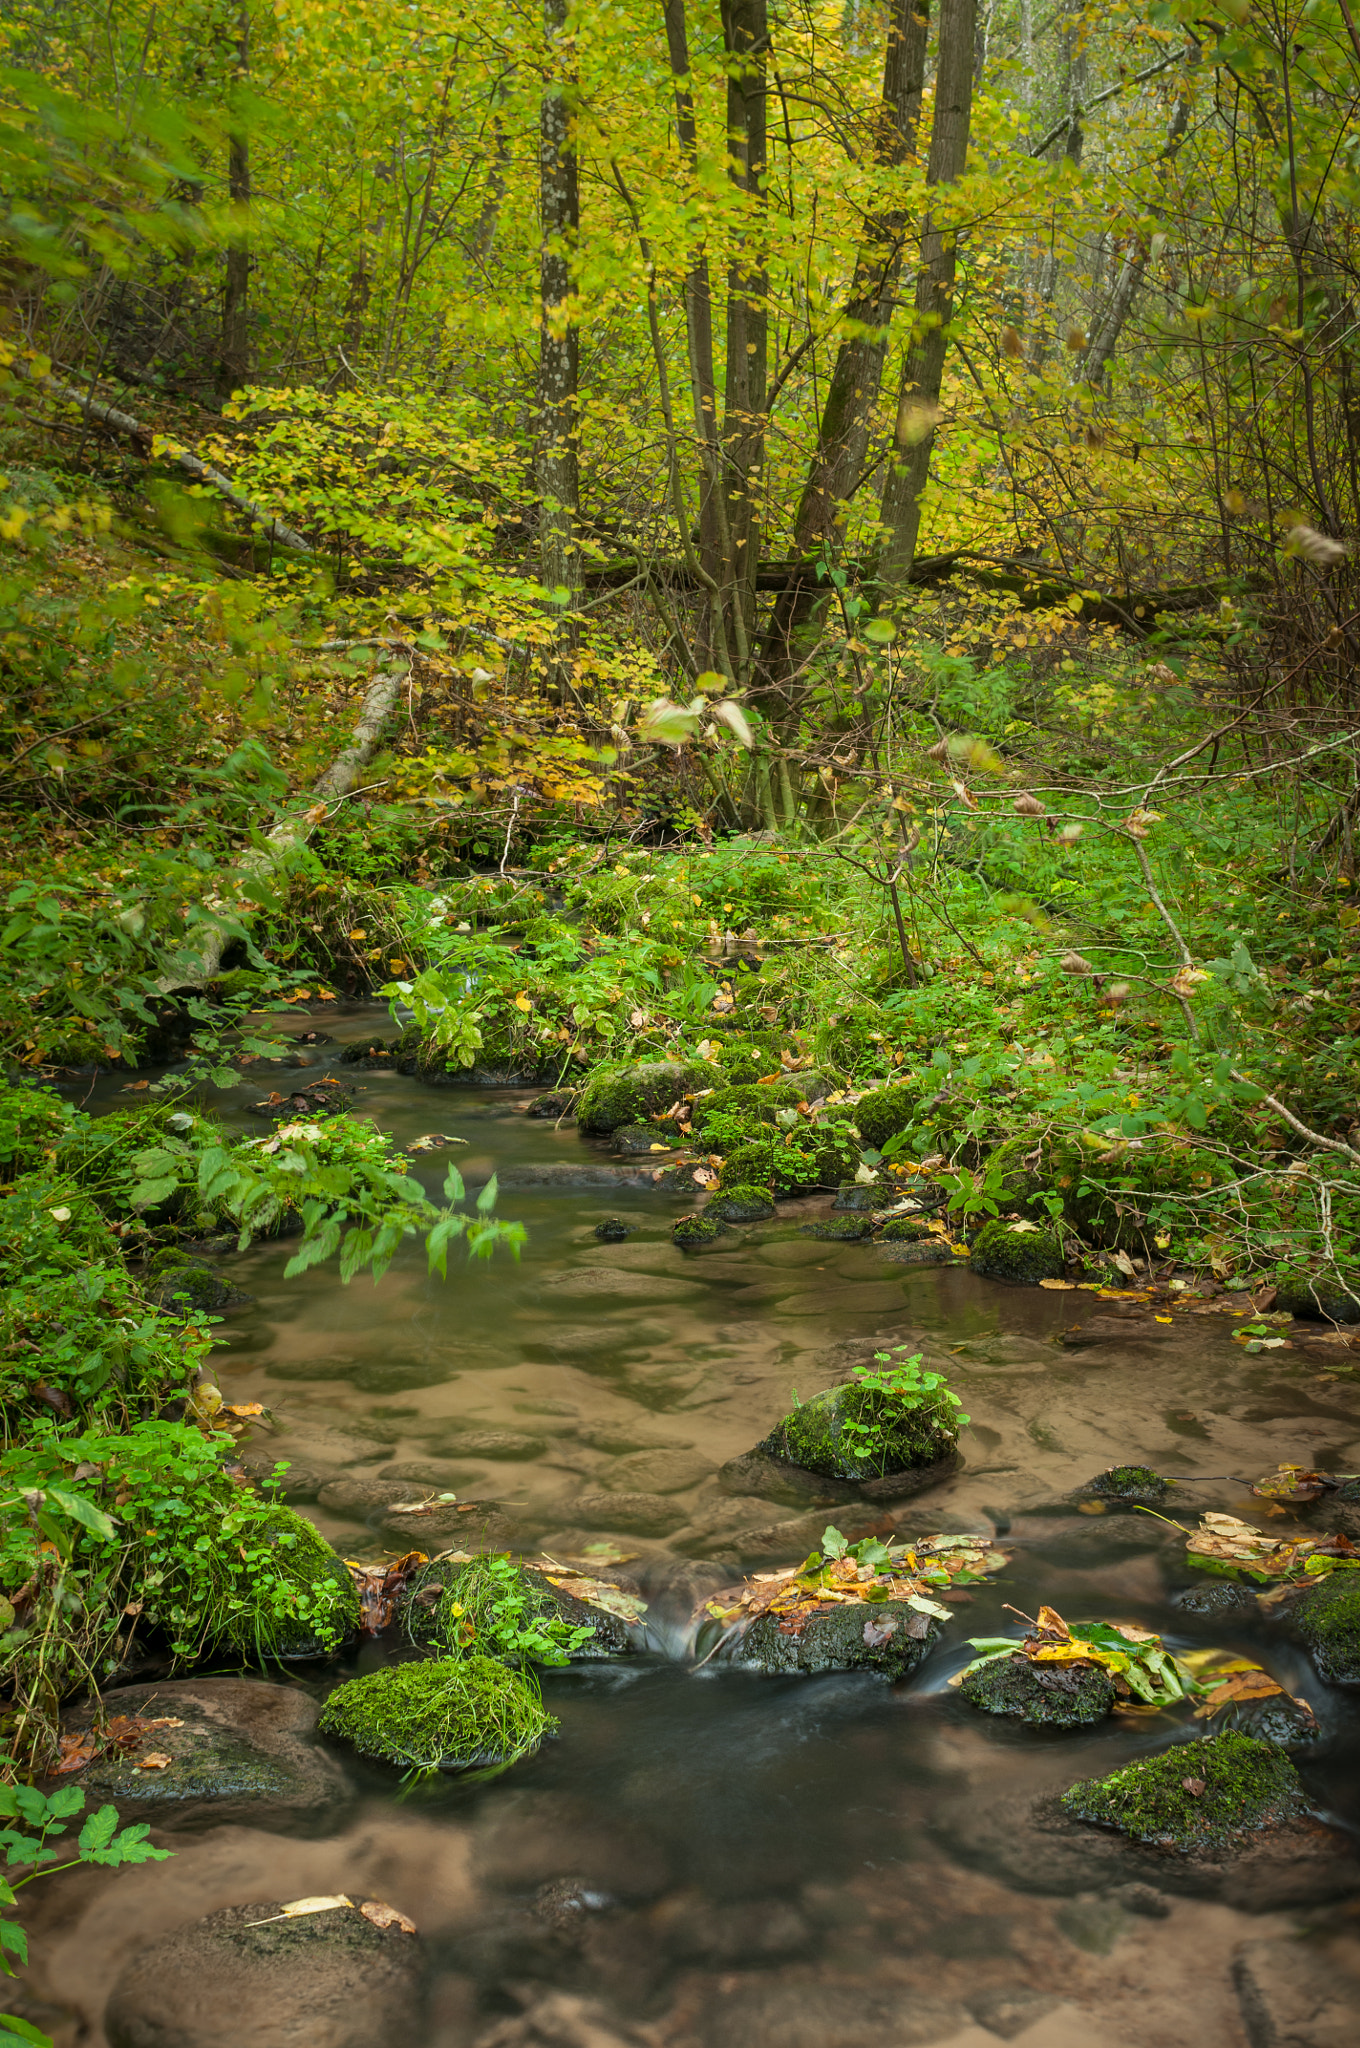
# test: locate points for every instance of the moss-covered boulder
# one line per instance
(491, 1606)
(629, 1095)
(692, 1233)
(1045, 1695)
(887, 1112)
(555, 1105)
(1197, 1797)
(1320, 1297)
(439, 1714)
(744, 1203)
(750, 1106)
(1138, 1484)
(180, 1285)
(1118, 1194)
(814, 1435)
(857, 1198)
(840, 1229)
(613, 1230)
(749, 1166)
(886, 1636)
(906, 1229)
(1328, 1619)
(639, 1141)
(289, 1595)
(1021, 1252)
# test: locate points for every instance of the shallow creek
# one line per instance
(713, 1859)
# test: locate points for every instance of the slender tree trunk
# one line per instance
(923, 371)
(857, 375)
(233, 366)
(558, 356)
(746, 34)
(714, 553)
(1107, 330)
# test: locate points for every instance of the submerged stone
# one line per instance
(886, 1636)
(1045, 1695)
(1198, 1796)
(840, 1229)
(1134, 1483)
(612, 1231)
(252, 1973)
(815, 1436)
(440, 1714)
(1328, 1619)
(1022, 1253)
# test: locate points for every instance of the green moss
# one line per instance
(491, 1606)
(694, 1231)
(906, 1229)
(744, 1203)
(439, 1714)
(1129, 1482)
(835, 1640)
(1320, 1297)
(1328, 1619)
(749, 1105)
(629, 1095)
(812, 1435)
(841, 1229)
(1044, 1695)
(1246, 1785)
(290, 1595)
(887, 1112)
(1118, 1195)
(748, 1166)
(1021, 1254)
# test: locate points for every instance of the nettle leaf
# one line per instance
(148, 1193)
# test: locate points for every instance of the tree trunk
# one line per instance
(233, 367)
(923, 371)
(857, 375)
(1107, 330)
(746, 35)
(714, 554)
(558, 355)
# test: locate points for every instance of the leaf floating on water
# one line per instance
(1058, 1286)
(383, 1915)
(1293, 1482)
(1228, 1543)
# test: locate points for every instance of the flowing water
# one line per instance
(706, 1859)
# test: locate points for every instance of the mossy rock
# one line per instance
(1247, 1786)
(745, 1203)
(374, 1055)
(906, 1230)
(1135, 1483)
(450, 1607)
(857, 1198)
(758, 1105)
(1021, 1253)
(1045, 1695)
(1112, 1192)
(179, 1284)
(886, 1637)
(1285, 1721)
(1328, 1619)
(628, 1095)
(317, 1610)
(748, 1166)
(439, 1714)
(613, 1230)
(886, 1112)
(841, 1229)
(692, 1233)
(1320, 1297)
(558, 1103)
(641, 1140)
(813, 1436)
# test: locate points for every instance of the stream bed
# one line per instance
(707, 1859)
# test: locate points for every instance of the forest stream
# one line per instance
(706, 1856)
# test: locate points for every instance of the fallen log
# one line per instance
(222, 916)
(165, 450)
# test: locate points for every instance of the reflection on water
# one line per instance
(710, 1860)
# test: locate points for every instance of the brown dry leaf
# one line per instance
(383, 1915)
(380, 1585)
(1194, 1786)
(297, 1909)
(1058, 1286)
(152, 1760)
(243, 1408)
(74, 1752)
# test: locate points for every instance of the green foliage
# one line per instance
(492, 1607)
(898, 1389)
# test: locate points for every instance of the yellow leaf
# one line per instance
(522, 1003)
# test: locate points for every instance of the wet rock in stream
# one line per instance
(1044, 1695)
(1136, 1484)
(1294, 1994)
(889, 1638)
(324, 1980)
(821, 1435)
(239, 1750)
(1328, 1619)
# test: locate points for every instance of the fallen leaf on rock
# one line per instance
(876, 1633)
(73, 1753)
(297, 1909)
(383, 1915)
(1194, 1786)
(152, 1760)
(379, 1587)
(1293, 1482)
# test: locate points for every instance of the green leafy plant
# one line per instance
(898, 1388)
(36, 1820)
(490, 1609)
